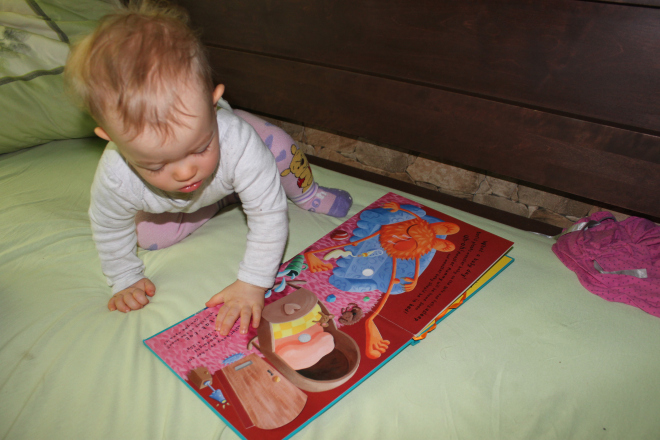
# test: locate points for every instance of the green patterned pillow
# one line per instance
(34, 45)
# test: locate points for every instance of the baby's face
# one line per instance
(183, 161)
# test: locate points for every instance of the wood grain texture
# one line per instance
(594, 59)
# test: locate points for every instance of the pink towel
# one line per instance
(618, 261)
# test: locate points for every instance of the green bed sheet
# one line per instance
(531, 356)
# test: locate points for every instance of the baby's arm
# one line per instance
(112, 217)
(255, 179)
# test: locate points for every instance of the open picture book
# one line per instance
(338, 312)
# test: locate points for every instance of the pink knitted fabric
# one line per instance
(633, 243)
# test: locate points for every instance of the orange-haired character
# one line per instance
(406, 240)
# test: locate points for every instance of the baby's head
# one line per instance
(144, 77)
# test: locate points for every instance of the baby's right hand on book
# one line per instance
(239, 300)
(133, 297)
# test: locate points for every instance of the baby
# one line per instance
(177, 154)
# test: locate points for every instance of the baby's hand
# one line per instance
(133, 297)
(240, 299)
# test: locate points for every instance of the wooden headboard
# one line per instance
(564, 94)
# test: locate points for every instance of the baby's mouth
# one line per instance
(192, 187)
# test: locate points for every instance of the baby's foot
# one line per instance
(331, 201)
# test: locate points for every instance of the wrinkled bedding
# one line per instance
(532, 356)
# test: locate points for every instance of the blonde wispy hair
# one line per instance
(136, 64)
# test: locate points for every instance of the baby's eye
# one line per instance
(156, 171)
(199, 153)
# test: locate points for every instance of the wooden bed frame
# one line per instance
(559, 94)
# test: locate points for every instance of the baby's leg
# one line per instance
(295, 173)
(158, 231)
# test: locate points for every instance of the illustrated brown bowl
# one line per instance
(333, 369)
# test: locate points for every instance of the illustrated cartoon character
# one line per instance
(300, 338)
(292, 270)
(324, 320)
(201, 378)
(300, 168)
(404, 240)
(351, 314)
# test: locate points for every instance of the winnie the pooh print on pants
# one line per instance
(300, 168)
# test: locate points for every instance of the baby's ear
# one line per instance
(217, 93)
(102, 134)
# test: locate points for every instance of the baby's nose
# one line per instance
(183, 173)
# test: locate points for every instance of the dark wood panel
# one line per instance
(557, 152)
(594, 60)
(649, 3)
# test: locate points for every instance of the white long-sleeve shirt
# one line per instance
(246, 167)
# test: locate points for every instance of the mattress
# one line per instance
(532, 355)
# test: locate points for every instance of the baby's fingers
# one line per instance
(117, 303)
(111, 304)
(256, 316)
(246, 313)
(228, 319)
(139, 299)
(132, 300)
(126, 301)
(149, 287)
(216, 299)
(220, 317)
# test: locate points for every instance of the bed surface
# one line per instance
(533, 355)
(560, 93)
